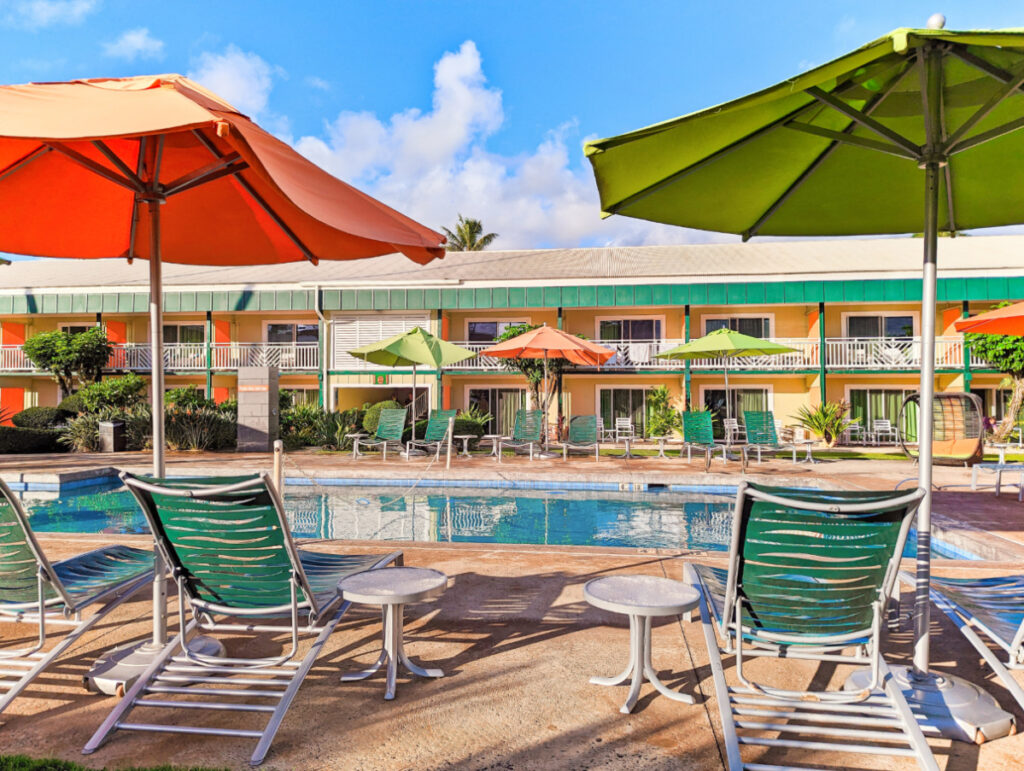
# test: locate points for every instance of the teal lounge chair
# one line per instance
(582, 436)
(761, 436)
(698, 433)
(526, 432)
(53, 595)
(390, 428)
(438, 433)
(227, 543)
(809, 577)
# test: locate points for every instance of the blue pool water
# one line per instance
(459, 515)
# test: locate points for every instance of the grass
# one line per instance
(25, 763)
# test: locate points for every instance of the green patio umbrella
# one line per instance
(410, 349)
(724, 344)
(917, 131)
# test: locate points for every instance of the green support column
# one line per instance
(321, 353)
(965, 311)
(209, 355)
(686, 339)
(560, 317)
(560, 407)
(439, 395)
(821, 352)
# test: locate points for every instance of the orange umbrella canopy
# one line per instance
(546, 342)
(1001, 321)
(78, 160)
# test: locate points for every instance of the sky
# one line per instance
(445, 107)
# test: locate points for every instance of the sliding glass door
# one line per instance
(502, 404)
(624, 403)
(871, 404)
(743, 400)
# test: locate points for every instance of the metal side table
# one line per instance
(392, 589)
(641, 598)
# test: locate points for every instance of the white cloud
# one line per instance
(433, 165)
(36, 14)
(318, 83)
(243, 79)
(135, 44)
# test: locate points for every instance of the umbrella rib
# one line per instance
(988, 136)
(850, 139)
(209, 176)
(121, 165)
(824, 155)
(133, 227)
(259, 200)
(664, 182)
(25, 160)
(867, 122)
(994, 101)
(190, 179)
(977, 62)
(94, 167)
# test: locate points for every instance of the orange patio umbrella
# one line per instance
(1001, 321)
(546, 343)
(160, 169)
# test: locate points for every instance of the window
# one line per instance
(742, 400)
(76, 329)
(881, 325)
(502, 404)
(185, 333)
(487, 331)
(871, 404)
(755, 326)
(629, 329)
(289, 332)
(624, 403)
(303, 396)
(994, 401)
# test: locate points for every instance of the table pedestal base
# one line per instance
(640, 667)
(392, 654)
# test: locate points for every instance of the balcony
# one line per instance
(191, 357)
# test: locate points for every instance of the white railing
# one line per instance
(291, 356)
(13, 359)
(180, 357)
(804, 356)
(874, 353)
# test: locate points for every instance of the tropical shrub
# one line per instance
(116, 393)
(472, 420)
(1006, 354)
(188, 397)
(372, 417)
(827, 420)
(82, 434)
(72, 404)
(304, 426)
(67, 356)
(662, 418)
(199, 428)
(14, 439)
(41, 417)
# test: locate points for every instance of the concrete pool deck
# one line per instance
(515, 638)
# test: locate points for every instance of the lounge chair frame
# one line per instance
(212, 682)
(526, 432)
(438, 434)
(762, 437)
(53, 603)
(583, 436)
(867, 721)
(389, 432)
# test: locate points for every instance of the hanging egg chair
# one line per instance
(958, 429)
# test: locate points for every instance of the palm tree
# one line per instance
(468, 236)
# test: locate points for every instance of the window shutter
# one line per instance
(354, 331)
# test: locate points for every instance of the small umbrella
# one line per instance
(408, 349)
(1008, 320)
(917, 131)
(725, 344)
(545, 343)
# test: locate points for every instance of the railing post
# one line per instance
(209, 355)
(821, 353)
(686, 365)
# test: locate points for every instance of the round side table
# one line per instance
(392, 589)
(641, 598)
(465, 443)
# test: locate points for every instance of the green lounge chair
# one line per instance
(390, 428)
(35, 591)
(809, 577)
(761, 436)
(526, 432)
(582, 436)
(698, 433)
(230, 552)
(438, 433)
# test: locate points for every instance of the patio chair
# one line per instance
(35, 591)
(883, 429)
(734, 432)
(809, 577)
(582, 436)
(995, 608)
(624, 429)
(230, 552)
(604, 434)
(390, 428)
(761, 436)
(527, 432)
(438, 433)
(698, 433)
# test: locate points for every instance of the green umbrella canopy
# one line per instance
(724, 343)
(836, 150)
(415, 347)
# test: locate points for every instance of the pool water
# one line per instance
(666, 520)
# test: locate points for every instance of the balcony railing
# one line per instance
(184, 357)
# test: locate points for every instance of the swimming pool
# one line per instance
(665, 520)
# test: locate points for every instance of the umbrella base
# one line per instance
(412, 452)
(946, 706)
(118, 669)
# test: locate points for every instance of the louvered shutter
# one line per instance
(354, 331)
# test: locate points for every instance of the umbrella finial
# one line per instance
(936, 21)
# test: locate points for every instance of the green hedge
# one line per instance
(14, 440)
(25, 763)
(41, 417)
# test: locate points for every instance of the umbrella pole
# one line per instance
(545, 400)
(412, 410)
(156, 341)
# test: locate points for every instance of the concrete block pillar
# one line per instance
(257, 408)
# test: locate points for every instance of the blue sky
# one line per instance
(473, 107)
